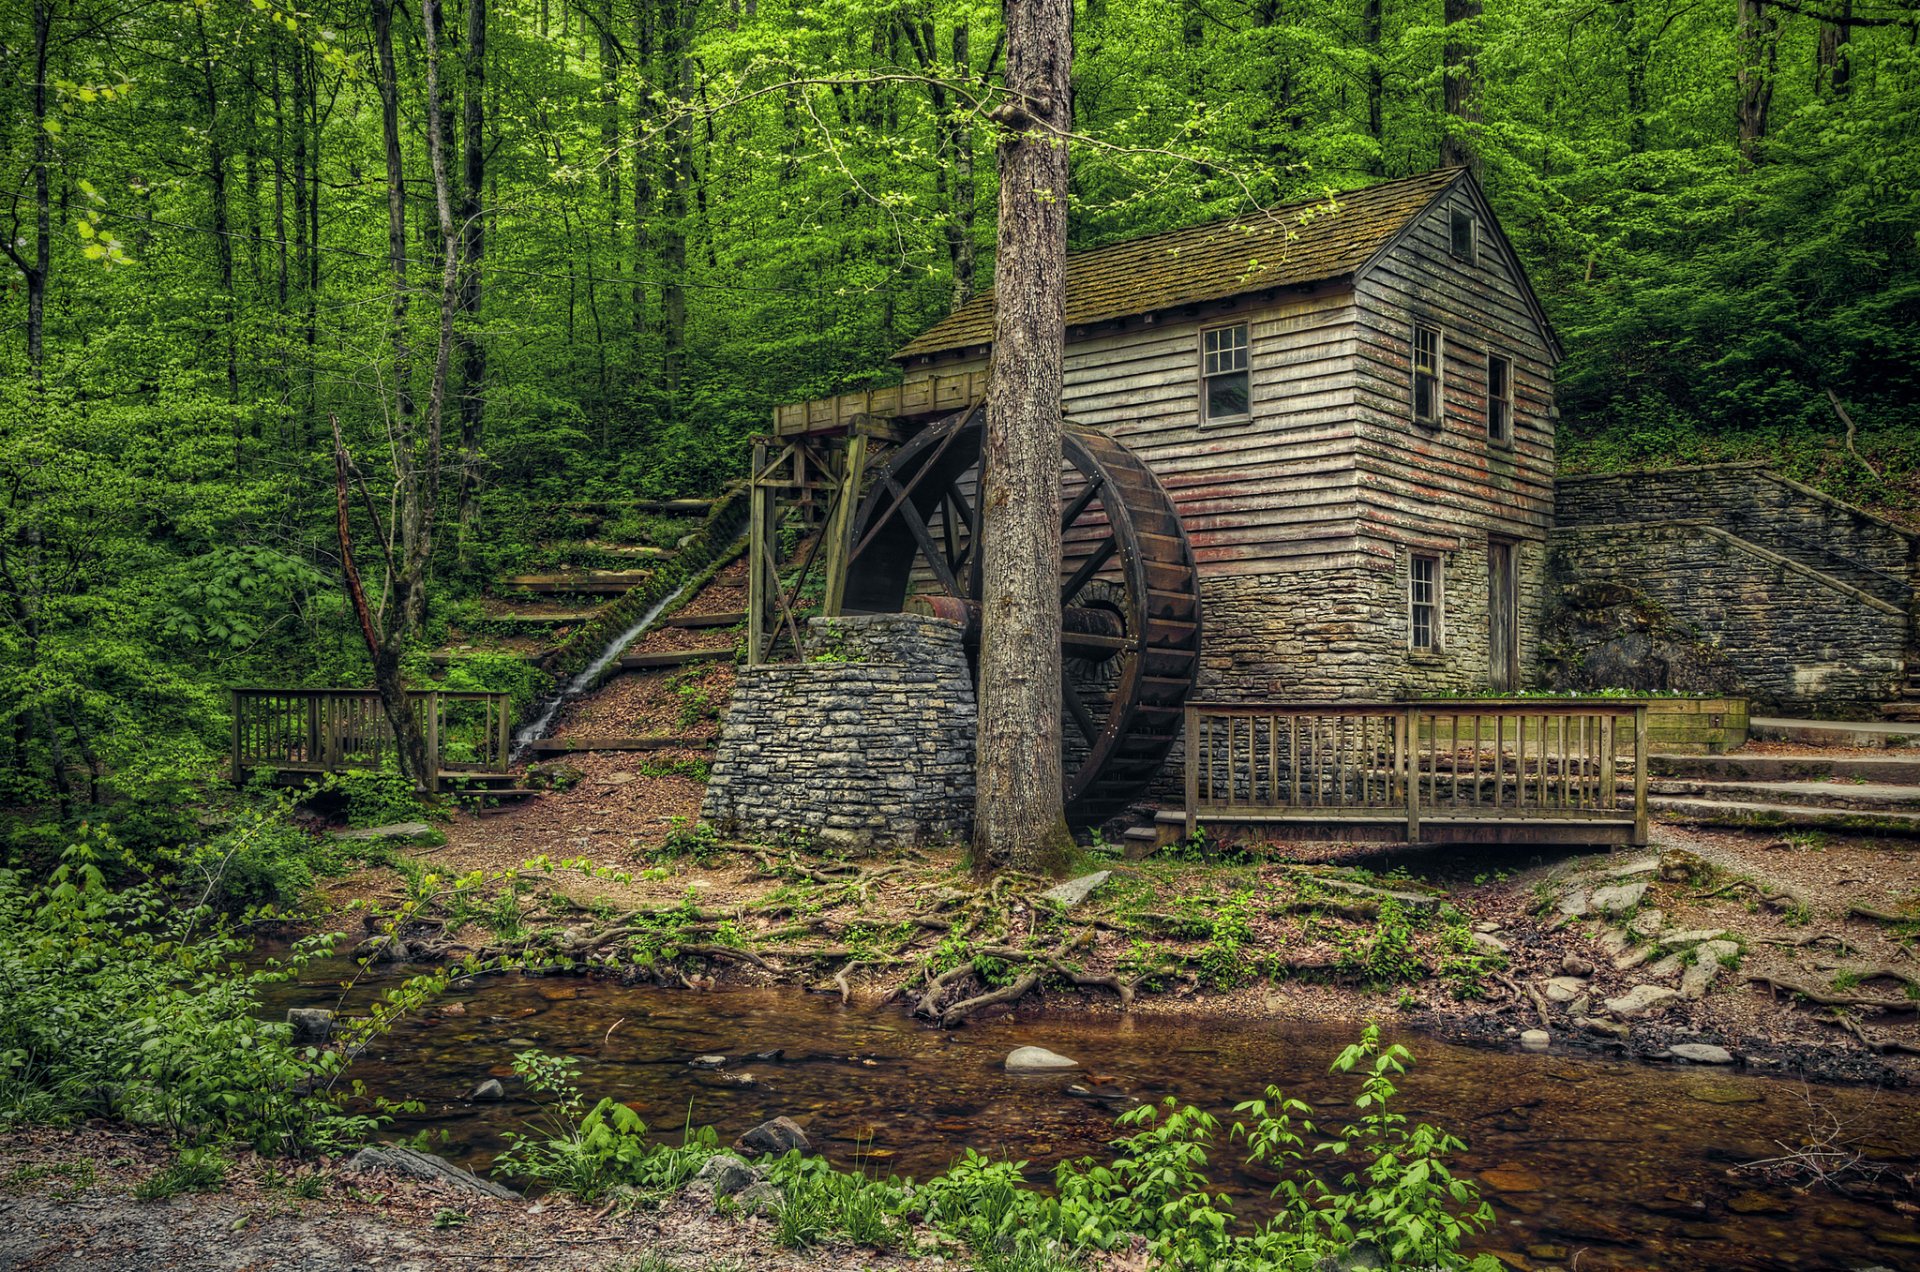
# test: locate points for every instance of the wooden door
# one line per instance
(1503, 618)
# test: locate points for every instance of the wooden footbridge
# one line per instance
(1536, 771)
(301, 733)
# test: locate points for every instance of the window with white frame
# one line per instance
(1225, 393)
(1426, 374)
(1499, 398)
(1463, 235)
(1423, 602)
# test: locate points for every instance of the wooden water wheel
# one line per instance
(1129, 595)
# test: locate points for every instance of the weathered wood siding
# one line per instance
(1427, 485)
(1278, 492)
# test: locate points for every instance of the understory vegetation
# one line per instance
(1375, 1190)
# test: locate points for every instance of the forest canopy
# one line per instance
(643, 223)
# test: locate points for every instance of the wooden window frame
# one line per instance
(1245, 368)
(1499, 432)
(1472, 255)
(1439, 416)
(1436, 604)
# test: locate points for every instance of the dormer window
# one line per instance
(1464, 235)
(1224, 388)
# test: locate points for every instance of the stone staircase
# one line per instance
(1842, 792)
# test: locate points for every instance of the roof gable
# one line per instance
(1298, 243)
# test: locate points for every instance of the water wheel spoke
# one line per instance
(929, 547)
(1070, 696)
(1088, 568)
(1081, 502)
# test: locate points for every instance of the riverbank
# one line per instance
(1723, 951)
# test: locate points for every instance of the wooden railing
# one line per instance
(1492, 769)
(332, 730)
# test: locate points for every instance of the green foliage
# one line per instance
(129, 1003)
(194, 1170)
(590, 1151)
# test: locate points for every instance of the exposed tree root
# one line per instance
(1831, 997)
(1872, 1042)
(1880, 916)
(1775, 896)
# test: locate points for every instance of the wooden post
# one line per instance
(757, 519)
(1193, 769)
(506, 734)
(1410, 725)
(853, 460)
(236, 775)
(430, 709)
(1640, 777)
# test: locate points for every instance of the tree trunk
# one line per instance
(1835, 61)
(642, 161)
(1462, 93)
(1370, 32)
(1019, 817)
(678, 68)
(222, 215)
(396, 216)
(960, 249)
(473, 239)
(1753, 77)
(1636, 77)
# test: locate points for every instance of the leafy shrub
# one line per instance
(588, 1153)
(127, 1003)
(195, 1170)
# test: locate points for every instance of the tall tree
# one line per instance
(1755, 51)
(1460, 66)
(1019, 810)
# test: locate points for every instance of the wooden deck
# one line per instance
(924, 395)
(318, 731)
(1522, 771)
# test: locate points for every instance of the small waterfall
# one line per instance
(530, 733)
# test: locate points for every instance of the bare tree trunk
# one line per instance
(960, 249)
(1462, 91)
(1834, 60)
(36, 270)
(473, 238)
(222, 215)
(1370, 33)
(1019, 816)
(678, 68)
(1636, 77)
(396, 216)
(642, 160)
(1753, 77)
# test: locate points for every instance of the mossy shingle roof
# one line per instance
(1299, 243)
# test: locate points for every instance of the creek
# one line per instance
(1623, 1164)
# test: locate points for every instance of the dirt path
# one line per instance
(67, 1203)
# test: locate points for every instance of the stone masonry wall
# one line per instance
(1792, 642)
(872, 747)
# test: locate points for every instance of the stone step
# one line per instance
(1860, 797)
(1906, 709)
(1865, 733)
(547, 618)
(1742, 767)
(1716, 812)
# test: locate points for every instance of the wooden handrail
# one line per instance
(328, 730)
(1479, 760)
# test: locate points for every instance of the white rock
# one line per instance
(1640, 1000)
(1485, 943)
(1575, 902)
(1536, 1039)
(1702, 1053)
(1646, 865)
(1694, 936)
(1620, 897)
(1564, 989)
(1700, 974)
(1647, 922)
(1038, 1060)
(1074, 891)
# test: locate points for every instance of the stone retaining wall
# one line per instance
(869, 747)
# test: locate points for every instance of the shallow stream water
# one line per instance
(1616, 1164)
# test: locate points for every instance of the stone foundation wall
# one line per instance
(1342, 634)
(870, 747)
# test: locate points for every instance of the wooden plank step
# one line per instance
(673, 658)
(561, 619)
(732, 619)
(618, 742)
(1740, 766)
(638, 505)
(586, 583)
(444, 657)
